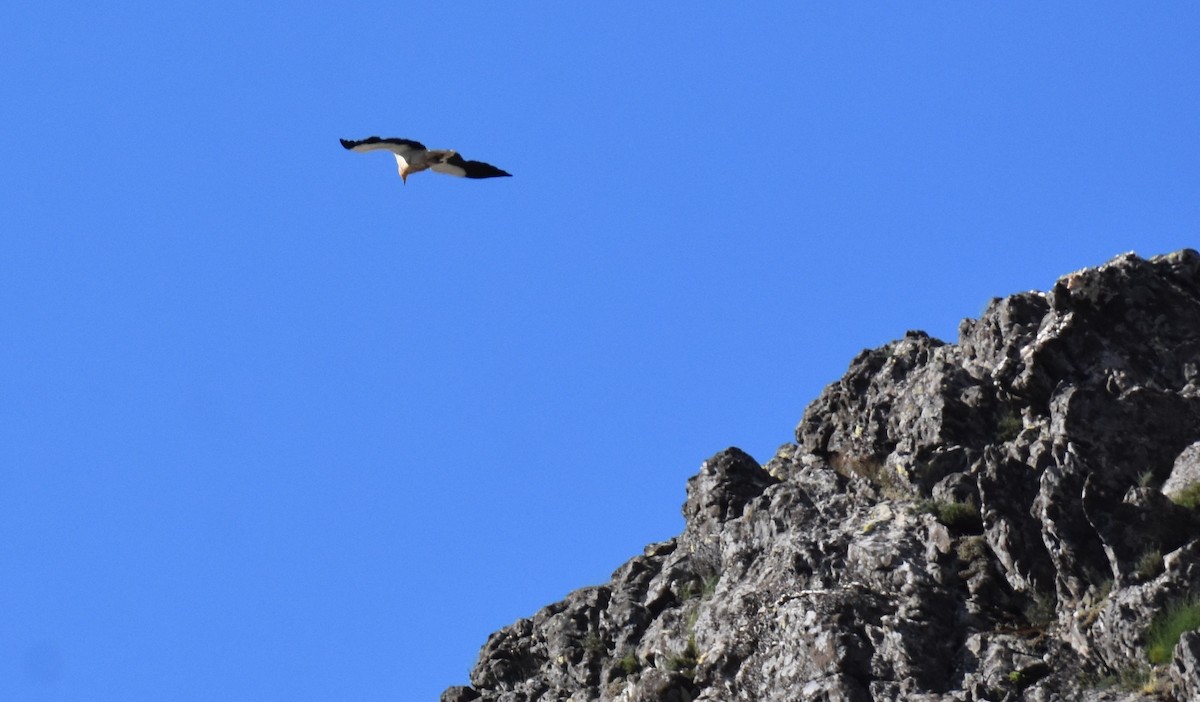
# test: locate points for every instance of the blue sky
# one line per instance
(274, 426)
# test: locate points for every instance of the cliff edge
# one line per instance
(1006, 518)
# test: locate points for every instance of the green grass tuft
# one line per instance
(959, 515)
(699, 587)
(629, 663)
(1168, 626)
(594, 643)
(963, 516)
(686, 661)
(1150, 564)
(1041, 610)
(972, 548)
(1131, 679)
(1008, 426)
(1188, 497)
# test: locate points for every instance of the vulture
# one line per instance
(413, 157)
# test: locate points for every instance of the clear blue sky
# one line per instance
(275, 427)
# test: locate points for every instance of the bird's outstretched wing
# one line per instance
(404, 148)
(456, 165)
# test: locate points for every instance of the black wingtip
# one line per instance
(347, 144)
(479, 169)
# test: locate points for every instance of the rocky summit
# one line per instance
(1012, 517)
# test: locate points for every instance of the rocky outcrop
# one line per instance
(974, 521)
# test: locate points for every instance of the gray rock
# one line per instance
(1185, 472)
(459, 693)
(1185, 668)
(971, 521)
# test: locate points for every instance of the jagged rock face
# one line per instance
(971, 521)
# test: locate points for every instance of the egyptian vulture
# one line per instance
(413, 157)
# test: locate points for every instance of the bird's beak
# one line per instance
(404, 177)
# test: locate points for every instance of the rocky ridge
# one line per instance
(987, 520)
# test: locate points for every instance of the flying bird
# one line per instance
(413, 157)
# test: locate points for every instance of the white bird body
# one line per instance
(413, 157)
